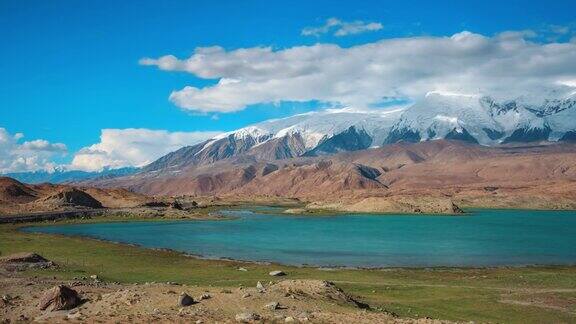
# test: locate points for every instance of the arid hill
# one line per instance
(426, 176)
(17, 197)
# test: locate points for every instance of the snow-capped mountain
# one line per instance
(473, 118)
(66, 176)
(315, 133)
(482, 119)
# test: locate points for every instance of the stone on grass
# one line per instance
(277, 273)
(59, 298)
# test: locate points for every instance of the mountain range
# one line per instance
(66, 176)
(471, 118)
(472, 149)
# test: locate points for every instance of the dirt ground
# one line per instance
(298, 301)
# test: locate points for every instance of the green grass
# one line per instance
(445, 293)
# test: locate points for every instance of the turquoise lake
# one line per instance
(480, 238)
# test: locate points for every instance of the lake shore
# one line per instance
(505, 294)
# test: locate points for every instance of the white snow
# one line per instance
(437, 114)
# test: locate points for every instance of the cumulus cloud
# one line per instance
(28, 155)
(342, 28)
(364, 75)
(133, 147)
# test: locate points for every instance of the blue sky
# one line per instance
(69, 69)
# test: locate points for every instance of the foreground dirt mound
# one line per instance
(316, 289)
(289, 301)
(71, 197)
(25, 261)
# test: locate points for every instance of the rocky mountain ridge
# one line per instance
(469, 118)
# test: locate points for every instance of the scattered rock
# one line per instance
(260, 286)
(59, 298)
(94, 277)
(185, 300)
(303, 317)
(205, 296)
(277, 273)
(176, 205)
(242, 269)
(246, 295)
(246, 317)
(289, 319)
(6, 299)
(272, 306)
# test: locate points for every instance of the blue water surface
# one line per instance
(481, 238)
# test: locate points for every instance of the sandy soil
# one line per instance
(299, 301)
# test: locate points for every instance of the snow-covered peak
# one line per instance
(254, 132)
(440, 114)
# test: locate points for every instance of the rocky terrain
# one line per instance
(446, 151)
(17, 197)
(88, 299)
(432, 176)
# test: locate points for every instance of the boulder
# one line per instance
(277, 273)
(59, 298)
(246, 317)
(272, 306)
(185, 300)
(205, 296)
(260, 287)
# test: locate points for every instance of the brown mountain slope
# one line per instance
(13, 191)
(17, 197)
(539, 176)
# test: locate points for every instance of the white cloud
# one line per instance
(27, 156)
(133, 147)
(507, 63)
(342, 28)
